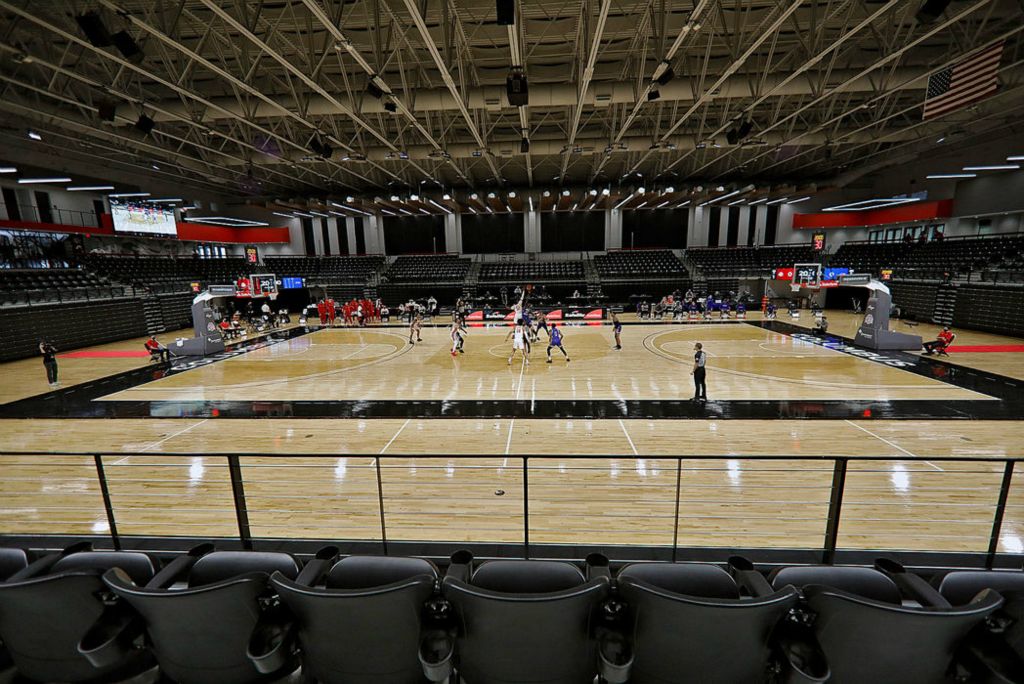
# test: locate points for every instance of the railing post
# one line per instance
(526, 508)
(241, 510)
(107, 505)
(997, 520)
(835, 506)
(380, 503)
(675, 519)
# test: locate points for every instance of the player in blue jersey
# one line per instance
(617, 330)
(555, 342)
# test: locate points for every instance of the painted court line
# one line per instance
(892, 444)
(168, 437)
(508, 442)
(392, 440)
(628, 438)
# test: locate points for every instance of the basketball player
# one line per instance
(49, 353)
(617, 330)
(699, 373)
(414, 328)
(519, 343)
(541, 324)
(555, 341)
(457, 335)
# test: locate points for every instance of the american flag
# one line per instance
(963, 84)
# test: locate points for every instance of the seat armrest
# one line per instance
(41, 566)
(437, 655)
(179, 567)
(272, 644)
(911, 585)
(615, 656)
(744, 574)
(461, 566)
(313, 571)
(802, 660)
(113, 636)
(597, 566)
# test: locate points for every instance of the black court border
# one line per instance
(80, 401)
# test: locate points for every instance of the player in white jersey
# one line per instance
(457, 333)
(518, 335)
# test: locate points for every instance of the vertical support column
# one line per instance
(380, 502)
(699, 227)
(759, 224)
(613, 229)
(675, 519)
(835, 507)
(997, 520)
(350, 229)
(531, 228)
(453, 233)
(526, 508)
(241, 508)
(741, 239)
(332, 231)
(107, 504)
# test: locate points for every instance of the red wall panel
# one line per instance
(918, 211)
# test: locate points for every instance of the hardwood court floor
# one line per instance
(1008, 363)
(745, 362)
(905, 501)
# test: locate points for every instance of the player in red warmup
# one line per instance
(321, 310)
(332, 312)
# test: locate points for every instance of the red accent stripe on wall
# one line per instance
(199, 232)
(918, 211)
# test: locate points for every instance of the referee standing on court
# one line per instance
(699, 373)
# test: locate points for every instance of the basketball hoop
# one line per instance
(795, 287)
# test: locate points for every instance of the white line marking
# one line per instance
(892, 444)
(391, 441)
(522, 369)
(628, 438)
(508, 442)
(168, 437)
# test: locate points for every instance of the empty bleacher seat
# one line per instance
(428, 268)
(48, 607)
(638, 263)
(681, 615)
(362, 623)
(524, 620)
(531, 271)
(201, 633)
(866, 632)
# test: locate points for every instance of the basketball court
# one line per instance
(374, 428)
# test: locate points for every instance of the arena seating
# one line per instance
(749, 261)
(168, 274)
(428, 269)
(532, 271)
(915, 299)
(990, 307)
(638, 264)
(327, 269)
(68, 326)
(956, 256)
(41, 286)
(246, 616)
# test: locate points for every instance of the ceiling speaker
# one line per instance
(931, 10)
(107, 110)
(517, 89)
(524, 145)
(127, 46)
(94, 29)
(145, 124)
(506, 12)
(666, 76)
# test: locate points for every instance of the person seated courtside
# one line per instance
(940, 343)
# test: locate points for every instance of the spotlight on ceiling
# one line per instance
(565, 193)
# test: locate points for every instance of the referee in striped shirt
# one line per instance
(699, 373)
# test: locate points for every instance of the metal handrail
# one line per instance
(832, 520)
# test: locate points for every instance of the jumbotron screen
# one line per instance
(143, 217)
